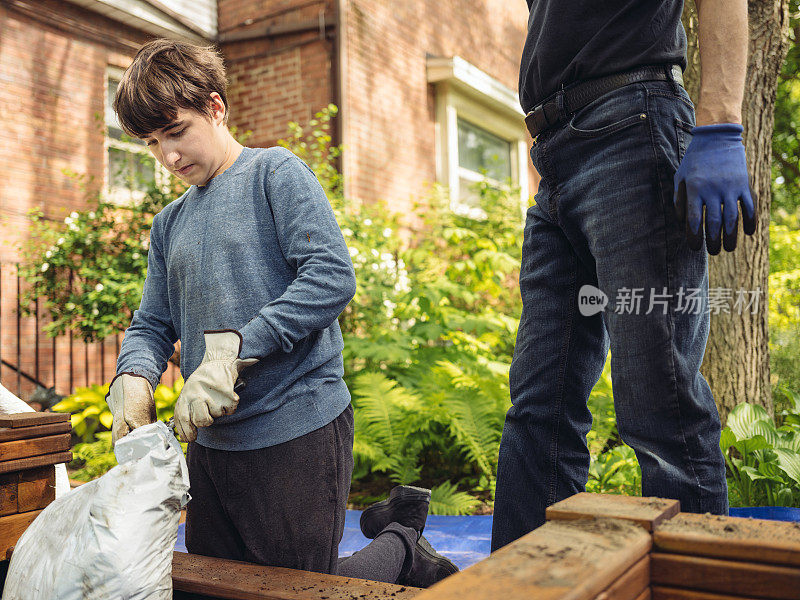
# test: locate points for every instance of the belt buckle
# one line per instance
(542, 117)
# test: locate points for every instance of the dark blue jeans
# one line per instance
(604, 217)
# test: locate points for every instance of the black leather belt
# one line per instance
(548, 113)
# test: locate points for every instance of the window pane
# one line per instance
(130, 171)
(479, 150)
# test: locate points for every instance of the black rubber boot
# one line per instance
(428, 566)
(406, 504)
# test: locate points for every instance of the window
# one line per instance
(480, 133)
(131, 170)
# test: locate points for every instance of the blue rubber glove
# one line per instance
(713, 174)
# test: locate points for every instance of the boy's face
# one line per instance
(191, 146)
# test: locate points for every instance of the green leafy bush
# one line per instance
(763, 460)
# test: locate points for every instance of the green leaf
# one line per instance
(742, 420)
(789, 462)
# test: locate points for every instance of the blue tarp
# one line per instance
(466, 540)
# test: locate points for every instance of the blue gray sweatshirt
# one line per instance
(257, 250)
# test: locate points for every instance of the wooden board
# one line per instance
(568, 560)
(725, 576)
(34, 446)
(37, 488)
(631, 584)
(668, 593)
(9, 434)
(246, 581)
(645, 595)
(29, 419)
(647, 512)
(24, 491)
(752, 540)
(22, 464)
(13, 526)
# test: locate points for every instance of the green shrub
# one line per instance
(763, 460)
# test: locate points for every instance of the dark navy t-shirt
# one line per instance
(576, 40)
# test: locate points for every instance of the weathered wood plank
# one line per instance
(13, 526)
(647, 512)
(668, 593)
(36, 488)
(565, 560)
(34, 446)
(725, 576)
(9, 434)
(752, 540)
(246, 581)
(9, 484)
(21, 464)
(631, 584)
(24, 491)
(28, 419)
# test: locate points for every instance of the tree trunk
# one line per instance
(736, 362)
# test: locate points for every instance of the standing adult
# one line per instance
(633, 193)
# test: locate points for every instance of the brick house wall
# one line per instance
(390, 106)
(283, 70)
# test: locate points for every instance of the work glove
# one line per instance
(209, 393)
(713, 174)
(130, 399)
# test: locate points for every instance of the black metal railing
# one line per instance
(30, 359)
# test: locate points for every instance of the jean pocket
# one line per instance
(683, 131)
(583, 127)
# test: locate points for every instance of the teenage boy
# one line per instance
(250, 271)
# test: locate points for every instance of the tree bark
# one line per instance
(736, 362)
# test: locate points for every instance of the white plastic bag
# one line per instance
(112, 538)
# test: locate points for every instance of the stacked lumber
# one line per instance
(31, 444)
(592, 547)
(705, 557)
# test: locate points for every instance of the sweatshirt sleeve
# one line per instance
(313, 245)
(150, 340)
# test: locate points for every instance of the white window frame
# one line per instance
(123, 196)
(463, 90)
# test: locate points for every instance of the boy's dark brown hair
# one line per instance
(166, 75)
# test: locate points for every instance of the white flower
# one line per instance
(146, 244)
(73, 227)
(60, 241)
(375, 253)
(347, 232)
(353, 251)
(135, 256)
(95, 312)
(367, 222)
(73, 215)
(91, 215)
(45, 266)
(387, 256)
(48, 254)
(99, 287)
(68, 221)
(374, 267)
(387, 232)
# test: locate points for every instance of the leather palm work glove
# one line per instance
(713, 174)
(208, 393)
(130, 398)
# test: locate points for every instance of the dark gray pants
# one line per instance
(284, 506)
